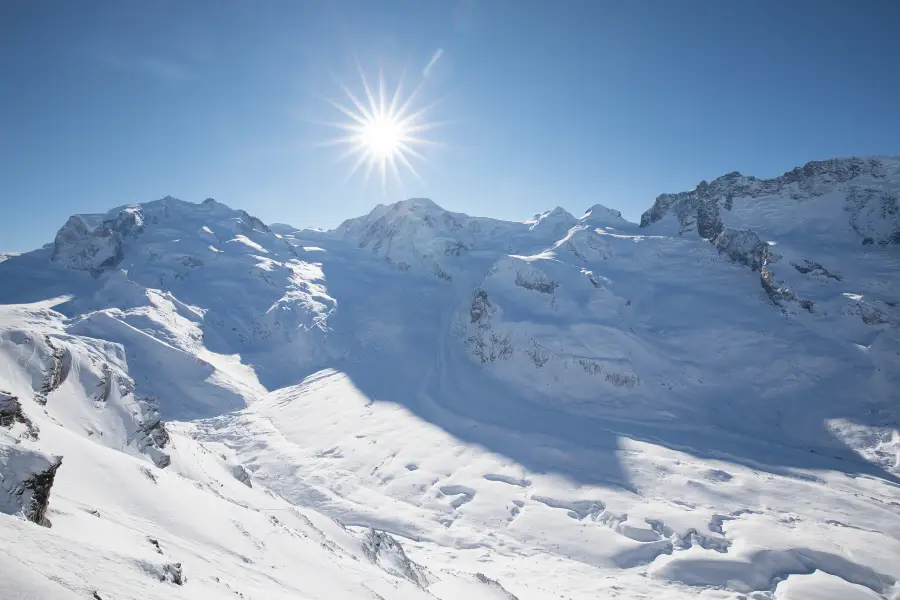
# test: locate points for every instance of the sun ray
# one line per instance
(406, 149)
(409, 166)
(392, 161)
(392, 110)
(356, 117)
(401, 112)
(359, 162)
(363, 111)
(384, 129)
(382, 102)
(373, 104)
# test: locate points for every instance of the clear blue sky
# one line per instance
(543, 103)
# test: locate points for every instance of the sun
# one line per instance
(382, 134)
(382, 137)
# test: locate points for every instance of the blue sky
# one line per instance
(541, 103)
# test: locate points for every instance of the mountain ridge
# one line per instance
(565, 405)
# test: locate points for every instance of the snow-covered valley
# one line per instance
(420, 403)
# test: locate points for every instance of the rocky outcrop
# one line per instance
(241, 473)
(174, 573)
(482, 578)
(252, 223)
(485, 343)
(383, 550)
(85, 248)
(481, 307)
(873, 210)
(95, 248)
(11, 414)
(809, 267)
(743, 247)
(151, 436)
(536, 282)
(57, 371)
(26, 478)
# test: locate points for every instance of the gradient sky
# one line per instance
(542, 103)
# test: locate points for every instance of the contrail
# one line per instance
(434, 58)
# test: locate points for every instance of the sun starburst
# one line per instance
(382, 134)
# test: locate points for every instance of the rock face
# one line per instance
(174, 573)
(26, 477)
(57, 370)
(482, 578)
(10, 410)
(241, 473)
(84, 245)
(78, 245)
(382, 549)
(96, 247)
(11, 414)
(852, 201)
(485, 343)
(867, 186)
(151, 436)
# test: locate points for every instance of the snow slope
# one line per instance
(701, 405)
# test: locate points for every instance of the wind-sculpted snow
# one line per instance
(702, 406)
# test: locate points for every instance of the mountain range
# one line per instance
(422, 403)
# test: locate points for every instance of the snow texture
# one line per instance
(423, 404)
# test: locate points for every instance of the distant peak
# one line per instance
(556, 220)
(599, 210)
(410, 203)
(558, 213)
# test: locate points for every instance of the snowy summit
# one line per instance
(426, 404)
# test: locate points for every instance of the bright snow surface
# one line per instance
(426, 404)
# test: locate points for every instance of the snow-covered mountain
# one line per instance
(421, 403)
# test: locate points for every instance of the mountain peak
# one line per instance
(416, 203)
(854, 198)
(602, 216)
(557, 220)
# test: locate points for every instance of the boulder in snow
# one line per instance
(26, 477)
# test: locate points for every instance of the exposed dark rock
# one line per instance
(148, 474)
(622, 380)
(189, 261)
(776, 292)
(77, 246)
(107, 379)
(57, 373)
(129, 222)
(481, 306)
(26, 478)
(815, 269)
(538, 354)
(488, 345)
(481, 577)
(95, 248)
(174, 573)
(241, 473)
(383, 550)
(538, 284)
(454, 248)
(11, 413)
(743, 247)
(151, 436)
(252, 222)
(155, 544)
(700, 208)
(442, 273)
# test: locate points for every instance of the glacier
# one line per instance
(422, 403)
